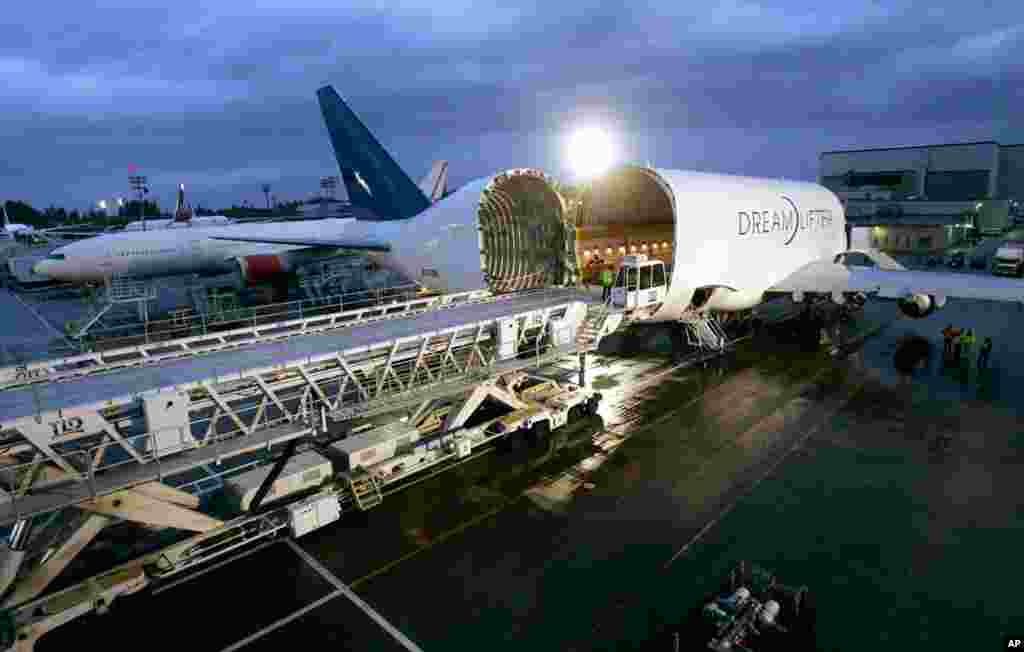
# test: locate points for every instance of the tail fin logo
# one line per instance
(362, 182)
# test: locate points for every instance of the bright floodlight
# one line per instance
(590, 151)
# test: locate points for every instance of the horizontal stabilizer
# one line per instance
(435, 184)
(340, 243)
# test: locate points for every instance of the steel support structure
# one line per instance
(60, 369)
(104, 447)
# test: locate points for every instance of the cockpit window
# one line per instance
(56, 257)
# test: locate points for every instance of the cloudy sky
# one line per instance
(220, 95)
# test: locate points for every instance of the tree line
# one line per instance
(19, 212)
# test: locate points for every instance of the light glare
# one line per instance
(590, 151)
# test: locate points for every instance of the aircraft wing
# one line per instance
(826, 277)
(340, 243)
(51, 233)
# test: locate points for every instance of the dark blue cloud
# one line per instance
(220, 95)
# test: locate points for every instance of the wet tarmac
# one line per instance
(821, 470)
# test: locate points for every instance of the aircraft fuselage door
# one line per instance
(653, 285)
(624, 292)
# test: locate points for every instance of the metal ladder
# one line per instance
(120, 291)
(704, 332)
(365, 490)
(589, 333)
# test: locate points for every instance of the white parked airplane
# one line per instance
(199, 221)
(12, 230)
(730, 241)
(268, 251)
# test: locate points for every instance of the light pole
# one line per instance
(327, 186)
(266, 193)
(138, 184)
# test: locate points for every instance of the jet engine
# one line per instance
(263, 268)
(918, 306)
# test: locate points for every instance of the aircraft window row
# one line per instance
(142, 252)
(643, 278)
(646, 276)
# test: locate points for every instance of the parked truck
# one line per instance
(1009, 259)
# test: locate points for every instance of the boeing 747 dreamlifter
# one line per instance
(730, 241)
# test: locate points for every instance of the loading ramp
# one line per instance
(111, 431)
(161, 350)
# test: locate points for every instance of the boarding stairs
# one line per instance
(365, 490)
(589, 334)
(704, 332)
(120, 291)
(197, 294)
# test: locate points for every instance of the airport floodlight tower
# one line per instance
(327, 186)
(138, 184)
(266, 193)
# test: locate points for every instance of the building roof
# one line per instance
(887, 149)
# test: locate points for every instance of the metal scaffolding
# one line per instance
(66, 455)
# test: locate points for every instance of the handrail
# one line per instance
(13, 376)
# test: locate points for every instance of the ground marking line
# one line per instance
(482, 517)
(317, 566)
(803, 438)
(35, 313)
(282, 622)
(441, 538)
(356, 600)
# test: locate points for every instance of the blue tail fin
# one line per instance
(375, 183)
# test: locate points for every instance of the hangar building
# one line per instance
(929, 198)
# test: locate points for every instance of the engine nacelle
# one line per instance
(263, 268)
(918, 306)
(260, 268)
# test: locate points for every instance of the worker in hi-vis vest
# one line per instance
(607, 279)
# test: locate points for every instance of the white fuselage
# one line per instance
(166, 252)
(442, 240)
(740, 236)
(745, 235)
(201, 221)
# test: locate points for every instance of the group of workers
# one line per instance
(959, 346)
